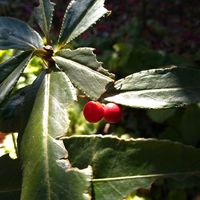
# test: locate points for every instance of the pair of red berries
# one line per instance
(94, 111)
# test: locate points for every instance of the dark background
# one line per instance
(140, 35)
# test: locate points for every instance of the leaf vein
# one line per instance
(45, 117)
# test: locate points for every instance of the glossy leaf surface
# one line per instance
(84, 71)
(123, 166)
(16, 34)
(11, 71)
(47, 173)
(79, 16)
(158, 88)
(44, 15)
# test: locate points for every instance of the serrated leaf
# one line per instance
(11, 178)
(84, 70)
(8, 66)
(79, 16)
(44, 15)
(47, 173)
(11, 71)
(16, 34)
(123, 166)
(158, 88)
(14, 114)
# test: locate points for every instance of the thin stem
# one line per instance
(15, 144)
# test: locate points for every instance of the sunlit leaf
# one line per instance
(158, 88)
(47, 173)
(85, 72)
(10, 72)
(79, 16)
(123, 166)
(16, 34)
(44, 15)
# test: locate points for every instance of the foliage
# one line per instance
(86, 166)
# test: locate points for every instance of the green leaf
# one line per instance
(157, 88)
(79, 16)
(14, 114)
(11, 178)
(47, 173)
(85, 72)
(16, 34)
(44, 15)
(123, 166)
(8, 66)
(10, 72)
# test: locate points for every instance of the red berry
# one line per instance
(93, 111)
(112, 113)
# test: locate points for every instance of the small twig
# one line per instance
(15, 144)
(106, 129)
